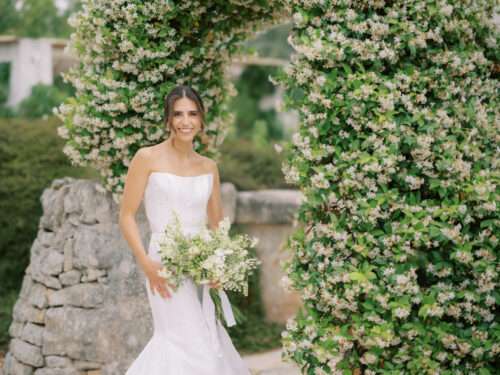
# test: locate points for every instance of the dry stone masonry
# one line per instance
(83, 310)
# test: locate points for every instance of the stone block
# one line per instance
(70, 278)
(26, 353)
(52, 264)
(23, 312)
(92, 274)
(26, 286)
(87, 295)
(38, 295)
(63, 234)
(93, 249)
(58, 371)
(13, 367)
(90, 334)
(86, 365)
(52, 202)
(57, 361)
(16, 329)
(72, 332)
(46, 238)
(48, 281)
(32, 333)
(68, 255)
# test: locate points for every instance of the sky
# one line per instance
(61, 4)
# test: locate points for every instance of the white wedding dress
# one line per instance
(187, 338)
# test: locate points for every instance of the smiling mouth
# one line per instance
(185, 130)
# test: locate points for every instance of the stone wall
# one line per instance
(83, 310)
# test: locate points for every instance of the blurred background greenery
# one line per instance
(31, 153)
(37, 18)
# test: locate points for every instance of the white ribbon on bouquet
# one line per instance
(208, 307)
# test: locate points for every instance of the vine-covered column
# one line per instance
(398, 158)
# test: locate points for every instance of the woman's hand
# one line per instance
(214, 284)
(156, 282)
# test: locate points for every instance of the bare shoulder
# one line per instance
(143, 156)
(145, 152)
(209, 164)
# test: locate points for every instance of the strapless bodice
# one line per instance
(166, 193)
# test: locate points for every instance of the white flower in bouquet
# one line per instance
(194, 250)
(206, 235)
(208, 256)
(224, 226)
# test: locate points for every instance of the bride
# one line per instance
(173, 178)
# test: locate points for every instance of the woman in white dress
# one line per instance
(172, 177)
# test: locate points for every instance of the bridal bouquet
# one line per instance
(208, 257)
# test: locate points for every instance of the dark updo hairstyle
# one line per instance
(183, 91)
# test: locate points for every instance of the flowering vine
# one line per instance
(398, 159)
(131, 54)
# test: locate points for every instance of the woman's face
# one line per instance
(186, 119)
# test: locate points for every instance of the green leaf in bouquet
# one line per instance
(239, 317)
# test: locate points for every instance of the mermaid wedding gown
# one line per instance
(187, 338)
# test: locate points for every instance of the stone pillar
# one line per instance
(81, 308)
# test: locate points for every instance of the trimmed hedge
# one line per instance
(250, 167)
(30, 158)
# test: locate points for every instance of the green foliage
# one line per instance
(4, 90)
(6, 112)
(250, 167)
(9, 17)
(35, 18)
(40, 18)
(4, 82)
(7, 302)
(30, 158)
(260, 136)
(272, 42)
(64, 87)
(397, 156)
(42, 101)
(252, 86)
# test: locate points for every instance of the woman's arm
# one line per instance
(214, 207)
(135, 184)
